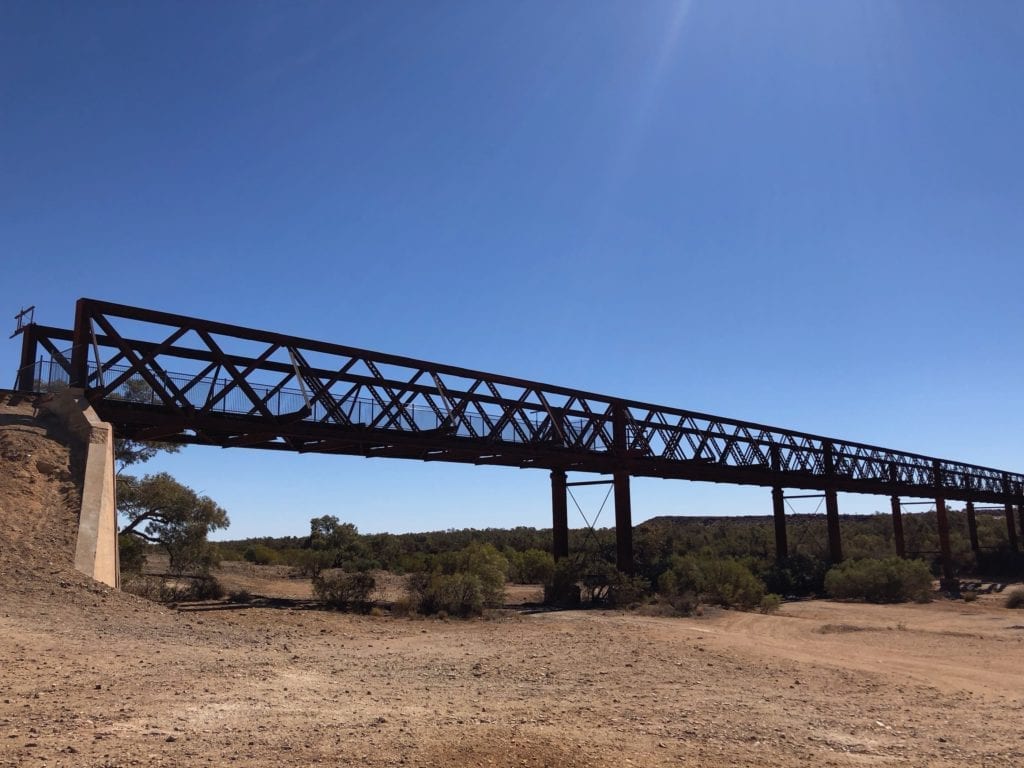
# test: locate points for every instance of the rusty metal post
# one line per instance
(623, 523)
(1011, 527)
(972, 527)
(559, 515)
(949, 583)
(26, 379)
(779, 513)
(80, 349)
(1020, 514)
(623, 509)
(835, 542)
(897, 527)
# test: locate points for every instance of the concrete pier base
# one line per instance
(96, 553)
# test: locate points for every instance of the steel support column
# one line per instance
(779, 513)
(897, 527)
(948, 583)
(25, 381)
(972, 527)
(1020, 515)
(835, 542)
(623, 523)
(1011, 527)
(559, 515)
(80, 346)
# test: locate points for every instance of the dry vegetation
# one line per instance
(90, 677)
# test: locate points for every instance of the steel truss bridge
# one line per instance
(161, 376)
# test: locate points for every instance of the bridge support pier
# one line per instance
(1020, 515)
(1011, 527)
(623, 523)
(948, 583)
(897, 527)
(779, 513)
(972, 527)
(559, 515)
(835, 542)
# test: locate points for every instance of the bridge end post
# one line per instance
(623, 523)
(897, 527)
(559, 515)
(972, 527)
(779, 514)
(26, 378)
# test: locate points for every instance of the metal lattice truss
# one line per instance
(161, 376)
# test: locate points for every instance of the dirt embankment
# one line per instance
(89, 677)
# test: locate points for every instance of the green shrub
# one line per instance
(488, 565)
(1015, 599)
(770, 603)
(625, 590)
(159, 590)
(454, 594)
(345, 591)
(888, 580)
(204, 588)
(131, 553)
(730, 583)
(310, 563)
(798, 575)
(260, 555)
(562, 589)
(534, 566)
(719, 581)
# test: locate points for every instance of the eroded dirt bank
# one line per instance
(89, 677)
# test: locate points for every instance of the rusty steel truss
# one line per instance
(168, 377)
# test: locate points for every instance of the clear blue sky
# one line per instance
(807, 214)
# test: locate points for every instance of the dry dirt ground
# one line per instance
(91, 677)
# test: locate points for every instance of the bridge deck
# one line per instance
(163, 376)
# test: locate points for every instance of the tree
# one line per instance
(162, 511)
(129, 452)
(335, 544)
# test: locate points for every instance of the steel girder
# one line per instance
(156, 375)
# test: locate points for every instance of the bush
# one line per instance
(798, 575)
(720, 581)
(203, 588)
(624, 590)
(159, 590)
(730, 583)
(1015, 599)
(131, 553)
(562, 588)
(345, 591)
(455, 594)
(888, 580)
(770, 603)
(310, 563)
(240, 596)
(260, 555)
(534, 566)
